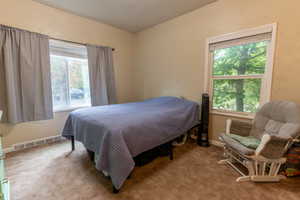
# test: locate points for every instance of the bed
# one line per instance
(117, 133)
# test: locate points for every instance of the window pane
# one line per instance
(79, 82)
(241, 95)
(59, 79)
(247, 59)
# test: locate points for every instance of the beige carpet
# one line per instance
(50, 173)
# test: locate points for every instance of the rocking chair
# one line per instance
(260, 146)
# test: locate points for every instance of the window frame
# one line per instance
(265, 92)
(68, 107)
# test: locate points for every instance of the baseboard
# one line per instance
(216, 143)
(8, 150)
(33, 143)
(53, 139)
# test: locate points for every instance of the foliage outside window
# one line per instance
(70, 82)
(237, 76)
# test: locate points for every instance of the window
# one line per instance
(69, 76)
(240, 68)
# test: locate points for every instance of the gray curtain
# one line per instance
(102, 81)
(25, 82)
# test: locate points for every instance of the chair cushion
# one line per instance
(248, 141)
(278, 118)
(236, 145)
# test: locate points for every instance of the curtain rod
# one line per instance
(79, 43)
(48, 36)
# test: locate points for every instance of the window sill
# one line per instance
(70, 109)
(233, 114)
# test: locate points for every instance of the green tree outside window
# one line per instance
(240, 94)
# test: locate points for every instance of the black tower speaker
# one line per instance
(202, 138)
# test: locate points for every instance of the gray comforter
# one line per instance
(117, 133)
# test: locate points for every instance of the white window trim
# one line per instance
(269, 65)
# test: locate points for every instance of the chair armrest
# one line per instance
(272, 147)
(238, 127)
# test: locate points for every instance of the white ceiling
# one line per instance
(131, 15)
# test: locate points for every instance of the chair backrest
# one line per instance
(279, 118)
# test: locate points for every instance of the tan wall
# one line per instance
(170, 56)
(29, 15)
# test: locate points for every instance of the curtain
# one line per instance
(25, 82)
(101, 71)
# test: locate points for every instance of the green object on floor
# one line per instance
(248, 141)
(4, 184)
